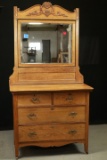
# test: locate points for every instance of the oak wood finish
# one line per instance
(50, 101)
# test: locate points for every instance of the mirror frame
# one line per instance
(46, 13)
(52, 22)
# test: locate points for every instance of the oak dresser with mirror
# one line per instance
(50, 98)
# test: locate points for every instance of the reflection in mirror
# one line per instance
(46, 43)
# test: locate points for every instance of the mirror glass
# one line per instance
(46, 43)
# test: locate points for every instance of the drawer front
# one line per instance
(58, 114)
(72, 97)
(34, 99)
(52, 132)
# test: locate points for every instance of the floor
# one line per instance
(97, 148)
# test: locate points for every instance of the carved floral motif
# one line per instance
(47, 9)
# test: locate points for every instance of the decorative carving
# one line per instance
(47, 9)
(47, 5)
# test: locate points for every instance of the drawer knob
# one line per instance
(72, 132)
(73, 114)
(31, 116)
(32, 134)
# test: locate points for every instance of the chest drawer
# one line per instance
(51, 132)
(70, 97)
(46, 115)
(34, 99)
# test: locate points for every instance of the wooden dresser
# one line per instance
(50, 100)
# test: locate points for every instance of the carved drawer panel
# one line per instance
(34, 99)
(52, 132)
(58, 114)
(71, 97)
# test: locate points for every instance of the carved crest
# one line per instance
(47, 9)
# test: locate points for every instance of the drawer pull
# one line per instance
(31, 115)
(73, 114)
(35, 100)
(72, 132)
(69, 98)
(32, 134)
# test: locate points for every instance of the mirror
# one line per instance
(46, 42)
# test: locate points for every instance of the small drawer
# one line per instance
(47, 115)
(34, 99)
(52, 132)
(70, 97)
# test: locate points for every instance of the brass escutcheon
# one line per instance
(35, 99)
(31, 115)
(73, 114)
(72, 132)
(32, 134)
